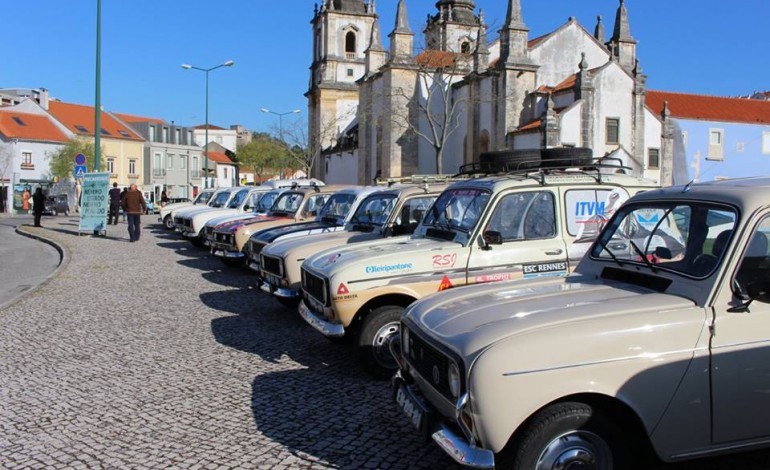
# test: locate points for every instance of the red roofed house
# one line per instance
(715, 137)
(27, 135)
(569, 87)
(221, 166)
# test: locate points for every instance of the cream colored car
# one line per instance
(480, 230)
(660, 340)
(384, 215)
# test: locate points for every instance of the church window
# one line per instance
(465, 47)
(350, 72)
(653, 159)
(350, 45)
(613, 130)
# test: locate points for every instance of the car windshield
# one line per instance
(375, 210)
(203, 197)
(337, 207)
(266, 201)
(238, 199)
(684, 237)
(288, 202)
(220, 199)
(458, 209)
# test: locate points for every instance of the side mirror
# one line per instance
(246, 208)
(493, 238)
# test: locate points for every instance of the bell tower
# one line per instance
(342, 30)
(453, 28)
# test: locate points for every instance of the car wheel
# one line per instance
(374, 341)
(66, 213)
(567, 435)
(233, 262)
(53, 212)
(168, 222)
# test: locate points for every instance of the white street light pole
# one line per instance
(229, 63)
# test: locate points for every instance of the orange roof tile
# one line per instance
(80, 120)
(710, 108)
(219, 157)
(130, 119)
(433, 58)
(25, 126)
(531, 126)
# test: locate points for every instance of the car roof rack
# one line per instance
(539, 169)
(418, 179)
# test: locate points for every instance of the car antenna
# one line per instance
(686, 188)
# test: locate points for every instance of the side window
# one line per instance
(412, 213)
(522, 216)
(755, 265)
(314, 204)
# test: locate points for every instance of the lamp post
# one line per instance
(280, 119)
(229, 63)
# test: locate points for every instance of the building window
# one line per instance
(653, 159)
(465, 47)
(684, 138)
(132, 168)
(165, 135)
(195, 171)
(152, 133)
(189, 138)
(350, 45)
(157, 164)
(766, 143)
(111, 166)
(716, 144)
(224, 172)
(613, 130)
(178, 136)
(182, 162)
(170, 161)
(26, 161)
(350, 72)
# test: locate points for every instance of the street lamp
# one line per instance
(280, 119)
(229, 63)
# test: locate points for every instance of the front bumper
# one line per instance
(225, 253)
(332, 330)
(428, 422)
(270, 286)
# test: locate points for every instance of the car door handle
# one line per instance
(555, 252)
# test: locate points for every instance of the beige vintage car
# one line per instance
(512, 226)
(385, 215)
(660, 340)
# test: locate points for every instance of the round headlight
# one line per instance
(454, 380)
(404, 341)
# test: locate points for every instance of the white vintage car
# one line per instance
(165, 212)
(659, 341)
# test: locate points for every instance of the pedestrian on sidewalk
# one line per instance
(38, 205)
(122, 195)
(134, 206)
(115, 194)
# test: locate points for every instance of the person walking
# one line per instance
(122, 195)
(115, 197)
(38, 205)
(134, 206)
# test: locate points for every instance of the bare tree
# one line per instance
(305, 150)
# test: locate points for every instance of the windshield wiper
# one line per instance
(644, 258)
(612, 255)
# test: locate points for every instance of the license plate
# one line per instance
(410, 407)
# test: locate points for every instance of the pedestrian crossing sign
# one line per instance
(80, 171)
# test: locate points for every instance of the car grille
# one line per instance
(314, 286)
(425, 358)
(223, 238)
(178, 221)
(271, 264)
(209, 233)
(256, 247)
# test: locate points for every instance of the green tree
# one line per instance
(263, 155)
(62, 161)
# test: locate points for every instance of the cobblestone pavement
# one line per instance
(154, 355)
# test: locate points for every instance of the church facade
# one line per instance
(395, 112)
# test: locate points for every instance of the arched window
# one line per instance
(465, 47)
(350, 44)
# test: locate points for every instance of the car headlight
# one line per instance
(454, 380)
(404, 341)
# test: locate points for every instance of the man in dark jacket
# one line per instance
(115, 194)
(134, 206)
(38, 205)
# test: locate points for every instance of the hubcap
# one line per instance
(380, 345)
(576, 450)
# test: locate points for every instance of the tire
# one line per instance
(568, 435)
(231, 262)
(567, 157)
(53, 212)
(511, 160)
(66, 213)
(373, 339)
(168, 222)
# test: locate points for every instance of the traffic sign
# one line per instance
(80, 171)
(80, 159)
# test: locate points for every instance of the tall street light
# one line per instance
(229, 63)
(280, 119)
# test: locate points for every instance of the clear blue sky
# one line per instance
(699, 46)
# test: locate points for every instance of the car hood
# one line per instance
(472, 318)
(234, 225)
(399, 256)
(269, 235)
(320, 241)
(221, 220)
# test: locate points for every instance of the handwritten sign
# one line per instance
(94, 200)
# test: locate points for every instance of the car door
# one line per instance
(528, 241)
(740, 346)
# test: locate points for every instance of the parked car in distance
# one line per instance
(536, 222)
(165, 212)
(658, 343)
(58, 204)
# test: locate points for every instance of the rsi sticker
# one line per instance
(445, 284)
(342, 289)
(535, 269)
(444, 261)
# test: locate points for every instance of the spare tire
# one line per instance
(512, 160)
(567, 157)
